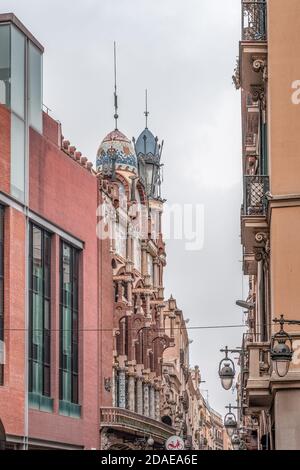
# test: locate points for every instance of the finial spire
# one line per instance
(116, 116)
(146, 108)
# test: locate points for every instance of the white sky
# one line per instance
(184, 52)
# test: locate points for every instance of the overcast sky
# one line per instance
(184, 52)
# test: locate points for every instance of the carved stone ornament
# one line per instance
(259, 95)
(260, 65)
(107, 384)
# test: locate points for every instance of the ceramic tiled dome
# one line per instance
(117, 145)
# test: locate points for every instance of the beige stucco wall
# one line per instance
(285, 261)
(284, 116)
(287, 411)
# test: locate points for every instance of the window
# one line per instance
(17, 157)
(18, 72)
(39, 318)
(68, 366)
(5, 65)
(35, 88)
(2, 296)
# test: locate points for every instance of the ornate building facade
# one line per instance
(129, 177)
(268, 67)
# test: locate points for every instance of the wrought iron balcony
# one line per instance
(254, 20)
(255, 189)
(128, 421)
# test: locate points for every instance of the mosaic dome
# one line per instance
(116, 145)
(147, 146)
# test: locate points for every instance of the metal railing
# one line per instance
(255, 200)
(126, 420)
(254, 20)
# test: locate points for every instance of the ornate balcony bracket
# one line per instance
(259, 64)
(262, 252)
(258, 95)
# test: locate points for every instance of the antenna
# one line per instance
(146, 108)
(116, 116)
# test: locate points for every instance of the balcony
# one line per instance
(254, 20)
(129, 422)
(254, 225)
(258, 394)
(255, 201)
(253, 47)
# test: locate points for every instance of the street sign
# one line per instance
(175, 443)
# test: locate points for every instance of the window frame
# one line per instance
(46, 238)
(73, 370)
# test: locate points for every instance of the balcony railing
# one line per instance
(255, 189)
(128, 421)
(254, 20)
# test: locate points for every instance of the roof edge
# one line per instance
(11, 18)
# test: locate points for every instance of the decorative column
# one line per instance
(151, 402)
(131, 392)
(144, 259)
(156, 272)
(146, 400)
(139, 398)
(114, 388)
(157, 405)
(122, 388)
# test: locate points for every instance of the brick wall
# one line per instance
(4, 149)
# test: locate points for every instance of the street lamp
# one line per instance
(226, 370)
(246, 305)
(150, 441)
(230, 422)
(235, 441)
(282, 348)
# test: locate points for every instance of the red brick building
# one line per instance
(56, 290)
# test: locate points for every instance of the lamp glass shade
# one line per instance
(227, 382)
(282, 367)
(235, 442)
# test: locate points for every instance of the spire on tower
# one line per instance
(146, 108)
(116, 116)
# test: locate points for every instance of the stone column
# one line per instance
(144, 259)
(139, 398)
(131, 392)
(122, 388)
(151, 402)
(156, 273)
(114, 388)
(146, 400)
(157, 405)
